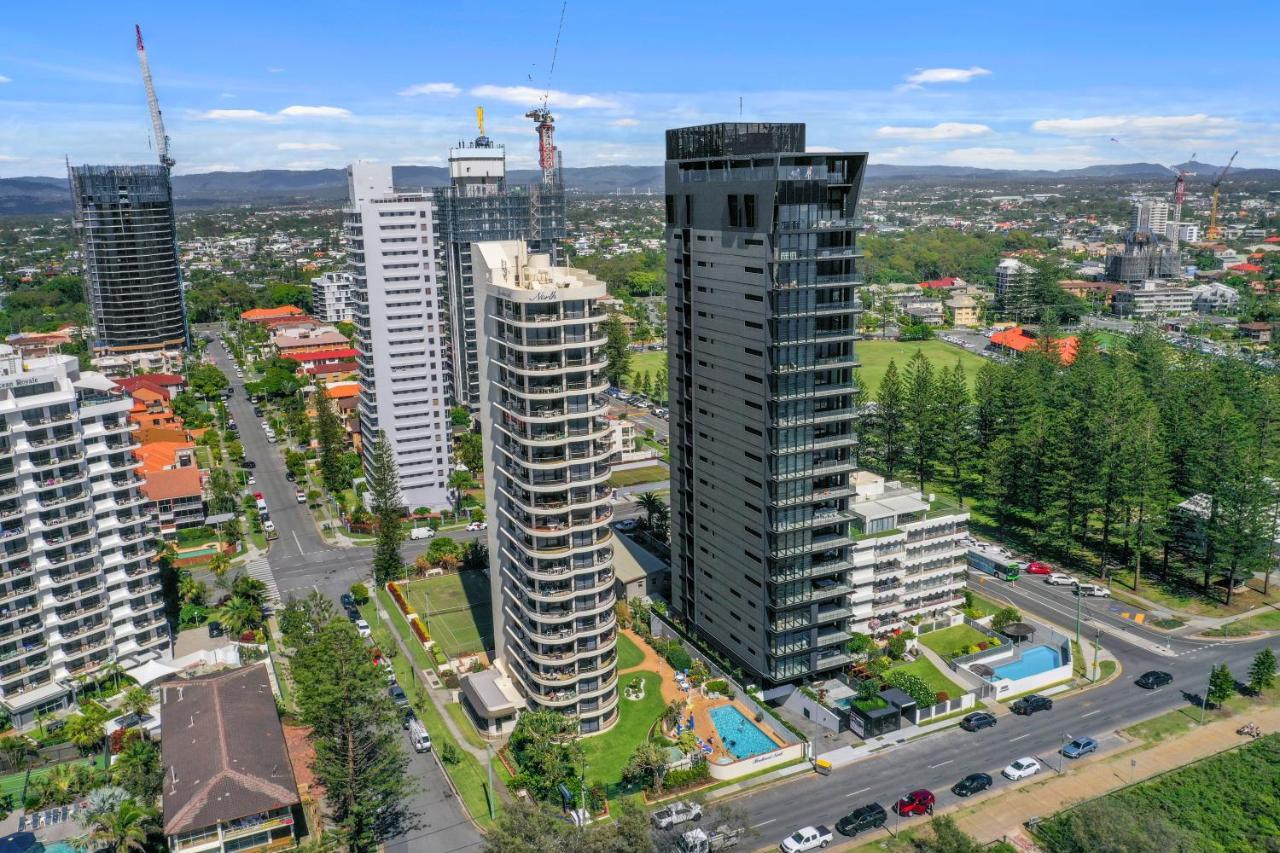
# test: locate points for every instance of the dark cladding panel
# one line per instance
(732, 139)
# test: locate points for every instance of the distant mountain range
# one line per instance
(41, 195)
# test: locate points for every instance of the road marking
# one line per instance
(763, 823)
(298, 542)
(857, 792)
(1091, 713)
(942, 764)
(1019, 737)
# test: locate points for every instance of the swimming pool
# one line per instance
(740, 736)
(1034, 661)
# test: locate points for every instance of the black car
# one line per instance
(978, 721)
(1153, 679)
(397, 694)
(870, 816)
(971, 784)
(1028, 705)
(248, 463)
(408, 717)
(215, 629)
(257, 411)
(348, 600)
(288, 475)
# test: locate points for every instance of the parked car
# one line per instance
(347, 600)
(478, 525)
(703, 841)
(1080, 747)
(248, 463)
(1092, 590)
(971, 784)
(215, 629)
(252, 480)
(1028, 705)
(268, 526)
(418, 736)
(1060, 579)
(288, 475)
(870, 816)
(626, 525)
(422, 533)
(1035, 567)
(977, 721)
(1154, 679)
(397, 694)
(363, 629)
(809, 838)
(407, 717)
(674, 814)
(1021, 768)
(300, 495)
(917, 802)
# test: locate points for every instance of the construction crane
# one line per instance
(1214, 231)
(157, 122)
(480, 119)
(544, 121)
(1179, 195)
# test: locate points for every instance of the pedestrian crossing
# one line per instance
(259, 569)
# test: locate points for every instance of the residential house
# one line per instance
(292, 342)
(1016, 340)
(264, 315)
(1257, 333)
(176, 497)
(964, 310)
(228, 782)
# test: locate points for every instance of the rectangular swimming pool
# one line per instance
(1034, 661)
(740, 736)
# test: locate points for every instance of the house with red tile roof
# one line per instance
(1245, 268)
(262, 315)
(308, 360)
(1017, 340)
(176, 496)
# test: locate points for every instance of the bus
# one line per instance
(994, 563)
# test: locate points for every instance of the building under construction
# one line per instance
(124, 214)
(1145, 256)
(479, 205)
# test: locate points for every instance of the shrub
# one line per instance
(677, 779)
(401, 601)
(1005, 617)
(450, 680)
(248, 637)
(759, 716)
(719, 685)
(419, 630)
(449, 753)
(438, 656)
(360, 593)
(897, 647)
(912, 685)
(941, 696)
(677, 656)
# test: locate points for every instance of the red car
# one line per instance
(1038, 568)
(257, 496)
(917, 802)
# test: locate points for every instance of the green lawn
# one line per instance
(1262, 622)
(983, 606)
(937, 682)
(876, 355)
(645, 362)
(608, 753)
(629, 654)
(12, 784)
(949, 641)
(457, 610)
(636, 476)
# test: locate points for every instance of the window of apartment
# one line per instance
(688, 210)
(671, 209)
(735, 217)
(755, 270)
(753, 297)
(749, 210)
(751, 325)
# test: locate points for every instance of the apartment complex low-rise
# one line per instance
(1153, 299)
(331, 297)
(910, 547)
(78, 584)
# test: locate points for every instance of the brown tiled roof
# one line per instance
(172, 483)
(223, 749)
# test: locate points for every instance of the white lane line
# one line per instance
(763, 823)
(941, 764)
(857, 792)
(1091, 713)
(298, 542)
(1019, 737)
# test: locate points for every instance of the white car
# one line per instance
(1060, 579)
(1092, 590)
(1021, 768)
(253, 481)
(268, 525)
(478, 525)
(626, 525)
(363, 629)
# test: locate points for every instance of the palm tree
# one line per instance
(460, 481)
(18, 751)
(651, 504)
(219, 564)
(137, 700)
(239, 615)
(192, 591)
(84, 732)
(251, 589)
(121, 830)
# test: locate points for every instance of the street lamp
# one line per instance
(1062, 756)
(1078, 598)
(1204, 703)
(584, 794)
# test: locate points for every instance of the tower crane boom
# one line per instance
(157, 121)
(1214, 231)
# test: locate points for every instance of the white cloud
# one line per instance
(625, 122)
(315, 112)
(926, 76)
(4, 79)
(447, 89)
(527, 95)
(308, 146)
(9, 158)
(1136, 125)
(234, 115)
(275, 70)
(944, 130)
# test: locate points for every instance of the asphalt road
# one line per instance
(938, 761)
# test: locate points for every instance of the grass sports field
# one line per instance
(457, 610)
(876, 355)
(650, 361)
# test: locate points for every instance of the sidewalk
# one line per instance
(1194, 624)
(1002, 815)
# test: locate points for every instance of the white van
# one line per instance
(422, 533)
(418, 736)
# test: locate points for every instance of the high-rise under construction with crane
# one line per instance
(129, 237)
(479, 205)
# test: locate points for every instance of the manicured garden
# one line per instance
(456, 608)
(608, 753)
(629, 654)
(953, 641)
(931, 676)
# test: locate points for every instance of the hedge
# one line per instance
(677, 779)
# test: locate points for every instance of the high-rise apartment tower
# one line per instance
(400, 331)
(546, 465)
(762, 318)
(132, 280)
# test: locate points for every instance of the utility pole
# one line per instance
(488, 753)
(1204, 705)
(1078, 597)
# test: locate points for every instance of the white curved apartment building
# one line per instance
(78, 588)
(546, 462)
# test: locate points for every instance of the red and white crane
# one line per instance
(157, 122)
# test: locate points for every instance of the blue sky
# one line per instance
(291, 84)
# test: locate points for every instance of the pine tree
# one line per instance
(661, 389)
(387, 509)
(646, 384)
(955, 426)
(617, 350)
(1262, 672)
(1146, 478)
(331, 436)
(1221, 685)
(920, 417)
(890, 410)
